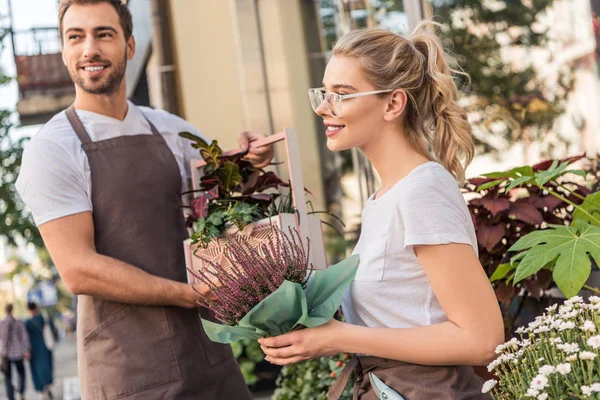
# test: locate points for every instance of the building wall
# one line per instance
(241, 66)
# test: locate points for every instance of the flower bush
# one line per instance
(555, 357)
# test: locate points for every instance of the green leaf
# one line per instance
(591, 204)
(518, 172)
(489, 185)
(496, 175)
(569, 246)
(518, 182)
(229, 176)
(501, 271)
(543, 177)
(579, 172)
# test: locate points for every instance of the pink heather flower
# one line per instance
(255, 273)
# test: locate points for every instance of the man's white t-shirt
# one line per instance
(55, 179)
(391, 289)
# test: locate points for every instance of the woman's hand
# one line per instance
(304, 344)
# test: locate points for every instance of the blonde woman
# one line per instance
(421, 310)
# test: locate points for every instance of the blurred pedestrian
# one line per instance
(41, 356)
(14, 348)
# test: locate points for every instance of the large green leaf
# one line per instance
(571, 247)
(229, 176)
(592, 206)
(501, 271)
(555, 170)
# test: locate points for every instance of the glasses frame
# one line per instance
(339, 97)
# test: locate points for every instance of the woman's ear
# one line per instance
(396, 105)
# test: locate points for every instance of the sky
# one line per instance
(26, 14)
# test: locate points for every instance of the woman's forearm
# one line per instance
(440, 344)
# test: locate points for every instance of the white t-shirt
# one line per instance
(391, 288)
(55, 179)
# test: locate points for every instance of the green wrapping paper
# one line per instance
(290, 307)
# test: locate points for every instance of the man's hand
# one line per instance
(27, 355)
(194, 296)
(259, 157)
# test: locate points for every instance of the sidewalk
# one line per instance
(65, 368)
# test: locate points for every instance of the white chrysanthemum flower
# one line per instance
(587, 390)
(546, 370)
(576, 299)
(594, 341)
(595, 306)
(588, 326)
(563, 369)
(571, 314)
(556, 323)
(566, 325)
(565, 309)
(556, 340)
(542, 396)
(500, 348)
(541, 329)
(532, 392)
(594, 299)
(520, 330)
(493, 365)
(539, 382)
(488, 385)
(540, 359)
(596, 387)
(572, 358)
(568, 347)
(587, 355)
(552, 308)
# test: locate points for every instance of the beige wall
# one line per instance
(206, 66)
(222, 81)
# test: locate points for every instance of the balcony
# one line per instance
(45, 87)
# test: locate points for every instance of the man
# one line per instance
(15, 347)
(104, 181)
(40, 362)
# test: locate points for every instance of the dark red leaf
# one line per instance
(549, 201)
(489, 236)
(526, 213)
(505, 293)
(266, 181)
(533, 287)
(544, 278)
(492, 205)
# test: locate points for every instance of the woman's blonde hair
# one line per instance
(434, 122)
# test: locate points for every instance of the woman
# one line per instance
(420, 310)
(41, 356)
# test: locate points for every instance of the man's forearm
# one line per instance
(110, 279)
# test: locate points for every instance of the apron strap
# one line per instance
(77, 125)
(82, 133)
(152, 127)
(341, 382)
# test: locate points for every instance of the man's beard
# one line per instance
(106, 85)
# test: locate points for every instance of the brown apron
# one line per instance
(411, 381)
(144, 352)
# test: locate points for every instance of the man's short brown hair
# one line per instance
(120, 7)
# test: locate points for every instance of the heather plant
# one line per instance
(555, 357)
(254, 272)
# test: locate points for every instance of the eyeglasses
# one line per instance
(333, 101)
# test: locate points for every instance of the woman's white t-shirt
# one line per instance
(391, 289)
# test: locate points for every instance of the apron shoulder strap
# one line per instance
(77, 125)
(152, 127)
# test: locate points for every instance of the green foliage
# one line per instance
(15, 222)
(567, 251)
(311, 379)
(248, 353)
(503, 94)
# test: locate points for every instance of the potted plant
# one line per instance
(506, 206)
